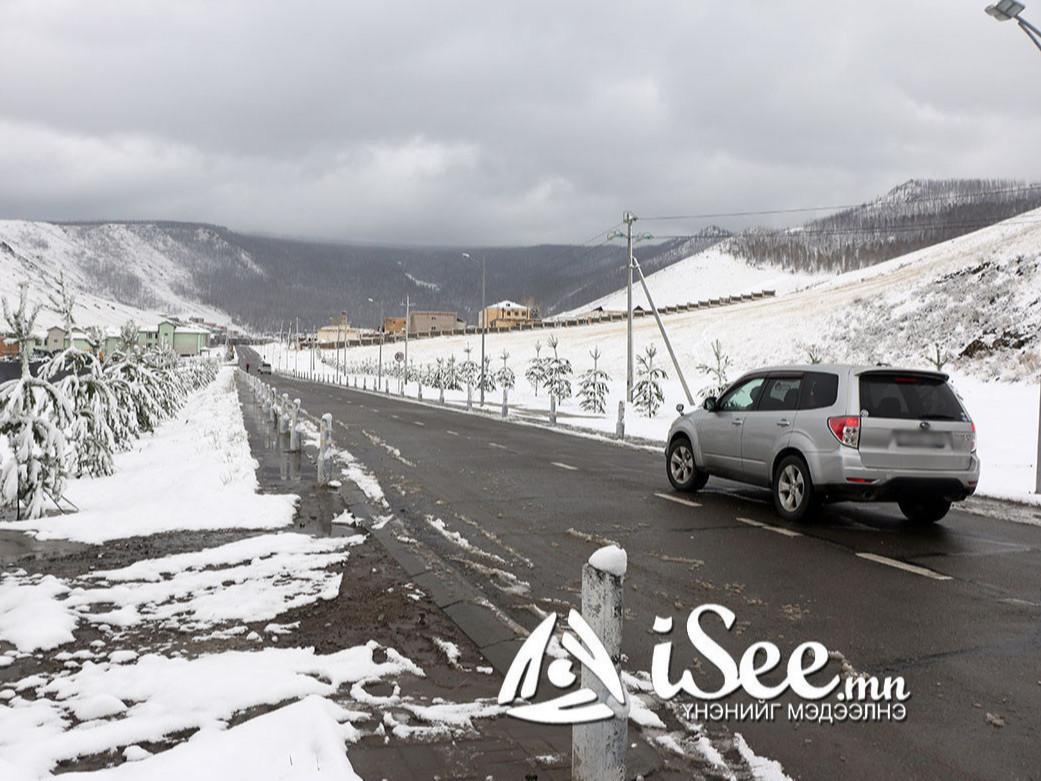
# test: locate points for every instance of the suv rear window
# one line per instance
(818, 390)
(908, 397)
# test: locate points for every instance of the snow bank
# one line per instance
(31, 617)
(169, 695)
(194, 473)
(299, 742)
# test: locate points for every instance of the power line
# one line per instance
(837, 207)
(795, 233)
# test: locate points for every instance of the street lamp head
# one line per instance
(1004, 10)
(466, 255)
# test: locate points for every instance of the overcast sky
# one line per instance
(498, 122)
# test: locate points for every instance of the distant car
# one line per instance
(265, 368)
(831, 433)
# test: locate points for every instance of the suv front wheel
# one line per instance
(792, 488)
(683, 472)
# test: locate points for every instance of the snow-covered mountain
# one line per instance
(119, 272)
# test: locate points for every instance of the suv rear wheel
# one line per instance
(792, 488)
(924, 509)
(683, 472)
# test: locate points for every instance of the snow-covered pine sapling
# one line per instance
(647, 392)
(536, 371)
(593, 386)
(452, 379)
(717, 372)
(34, 416)
(487, 378)
(505, 376)
(468, 369)
(813, 353)
(558, 373)
(940, 358)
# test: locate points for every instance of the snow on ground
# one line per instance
(103, 700)
(195, 472)
(984, 286)
(156, 696)
(711, 273)
(302, 741)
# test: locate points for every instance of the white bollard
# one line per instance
(441, 394)
(294, 427)
(598, 748)
(552, 409)
(469, 397)
(505, 403)
(325, 449)
(283, 421)
(619, 429)
(419, 391)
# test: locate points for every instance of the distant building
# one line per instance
(184, 339)
(504, 313)
(422, 323)
(337, 334)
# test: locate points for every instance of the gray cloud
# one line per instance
(497, 123)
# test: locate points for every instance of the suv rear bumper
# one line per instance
(848, 478)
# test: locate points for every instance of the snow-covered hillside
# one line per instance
(118, 271)
(711, 273)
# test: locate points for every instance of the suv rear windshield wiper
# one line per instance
(939, 416)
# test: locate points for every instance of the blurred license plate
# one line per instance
(920, 439)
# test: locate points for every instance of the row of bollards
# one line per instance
(284, 416)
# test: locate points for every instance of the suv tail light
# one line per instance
(972, 449)
(846, 430)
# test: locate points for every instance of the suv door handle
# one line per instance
(784, 422)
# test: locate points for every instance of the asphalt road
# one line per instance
(962, 629)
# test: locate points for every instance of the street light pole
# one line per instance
(404, 374)
(379, 368)
(1004, 11)
(629, 219)
(484, 317)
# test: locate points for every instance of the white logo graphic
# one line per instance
(578, 707)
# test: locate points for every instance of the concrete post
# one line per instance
(419, 391)
(441, 395)
(552, 409)
(294, 427)
(598, 748)
(283, 421)
(619, 428)
(505, 402)
(386, 387)
(364, 383)
(325, 448)
(469, 397)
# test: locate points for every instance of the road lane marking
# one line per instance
(769, 528)
(927, 573)
(678, 500)
(496, 444)
(419, 423)
(452, 433)
(564, 466)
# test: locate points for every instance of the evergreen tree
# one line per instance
(505, 376)
(593, 386)
(647, 392)
(717, 372)
(558, 373)
(536, 371)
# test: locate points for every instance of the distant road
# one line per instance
(954, 609)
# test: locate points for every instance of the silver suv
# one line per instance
(831, 433)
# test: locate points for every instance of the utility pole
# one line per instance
(629, 218)
(404, 373)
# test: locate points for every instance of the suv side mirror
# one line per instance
(710, 404)
(679, 408)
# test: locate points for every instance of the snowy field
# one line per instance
(982, 287)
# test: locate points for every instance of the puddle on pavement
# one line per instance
(18, 546)
(281, 471)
